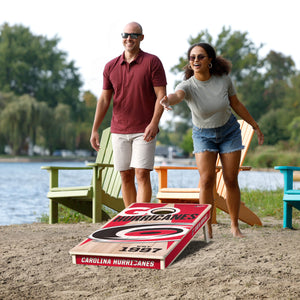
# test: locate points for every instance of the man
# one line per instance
(137, 82)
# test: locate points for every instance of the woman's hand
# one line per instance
(165, 103)
(260, 136)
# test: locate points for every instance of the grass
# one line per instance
(66, 215)
(263, 203)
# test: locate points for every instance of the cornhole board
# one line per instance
(144, 235)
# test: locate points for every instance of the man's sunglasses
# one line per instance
(132, 35)
(199, 57)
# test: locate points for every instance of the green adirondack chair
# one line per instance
(89, 200)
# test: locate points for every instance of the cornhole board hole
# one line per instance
(144, 235)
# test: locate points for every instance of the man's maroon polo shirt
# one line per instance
(134, 96)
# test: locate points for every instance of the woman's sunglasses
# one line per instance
(199, 57)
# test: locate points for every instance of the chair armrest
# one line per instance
(245, 168)
(287, 168)
(50, 168)
(54, 171)
(175, 168)
(163, 173)
(287, 172)
(100, 165)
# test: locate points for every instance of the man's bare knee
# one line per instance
(142, 175)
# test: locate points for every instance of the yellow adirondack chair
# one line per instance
(89, 200)
(191, 195)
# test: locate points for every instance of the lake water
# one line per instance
(24, 186)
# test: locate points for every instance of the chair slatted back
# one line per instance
(247, 134)
(111, 179)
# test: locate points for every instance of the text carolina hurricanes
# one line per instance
(166, 217)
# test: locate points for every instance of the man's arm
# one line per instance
(101, 110)
(152, 129)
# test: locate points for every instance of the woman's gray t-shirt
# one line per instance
(208, 100)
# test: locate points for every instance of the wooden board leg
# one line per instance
(205, 232)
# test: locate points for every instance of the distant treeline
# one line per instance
(42, 103)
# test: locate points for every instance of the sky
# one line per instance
(90, 30)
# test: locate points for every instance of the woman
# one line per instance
(210, 95)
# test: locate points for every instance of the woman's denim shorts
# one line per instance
(224, 139)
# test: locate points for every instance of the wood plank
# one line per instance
(68, 194)
(184, 196)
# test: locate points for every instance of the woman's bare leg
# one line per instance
(230, 164)
(206, 163)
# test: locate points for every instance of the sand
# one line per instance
(35, 264)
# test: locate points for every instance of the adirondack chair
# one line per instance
(89, 200)
(291, 196)
(191, 195)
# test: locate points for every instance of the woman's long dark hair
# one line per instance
(220, 65)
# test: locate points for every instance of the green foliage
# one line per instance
(274, 125)
(41, 101)
(250, 91)
(34, 65)
(278, 66)
(294, 129)
(66, 215)
(291, 101)
(187, 142)
(19, 121)
(264, 203)
(270, 156)
(40, 95)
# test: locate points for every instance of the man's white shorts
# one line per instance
(132, 151)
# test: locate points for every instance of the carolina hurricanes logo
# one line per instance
(141, 233)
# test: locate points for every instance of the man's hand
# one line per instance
(150, 133)
(94, 140)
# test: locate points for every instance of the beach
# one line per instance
(36, 264)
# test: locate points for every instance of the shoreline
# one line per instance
(175, 161)
(20, 159)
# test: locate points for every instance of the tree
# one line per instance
(278, 66)
(34, 65)
(63, 130)
(274, 126)
(291, 100)
(187, 142)
(294, 128)
(19, 121)
(279, 69)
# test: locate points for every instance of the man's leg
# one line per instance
(122, 149)
(128, 187)
(144, 185)
(143, 162)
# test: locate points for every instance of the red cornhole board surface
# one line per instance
(144, 235)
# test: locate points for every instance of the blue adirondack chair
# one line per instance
(89, 200)
(291, 196)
